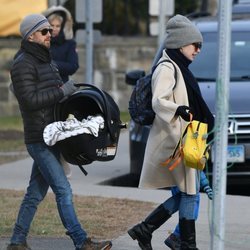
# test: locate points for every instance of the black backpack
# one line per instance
(140, 103)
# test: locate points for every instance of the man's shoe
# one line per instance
(22, 246)
(96, 245)
(173, 242)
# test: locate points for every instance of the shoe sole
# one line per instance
(108, 247)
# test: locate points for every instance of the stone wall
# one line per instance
(113, 57)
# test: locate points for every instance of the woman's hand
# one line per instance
(183, 112)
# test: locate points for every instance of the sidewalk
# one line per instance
(237, 233)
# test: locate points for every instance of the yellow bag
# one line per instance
(194, 150)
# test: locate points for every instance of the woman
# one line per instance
(172, 105)
(63, 49)
(63, 46)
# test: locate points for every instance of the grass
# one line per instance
(125, 117)
(102, 218)
(11, 137)
(11, 123)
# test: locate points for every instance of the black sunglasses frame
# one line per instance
(197, 45)
(45, 31)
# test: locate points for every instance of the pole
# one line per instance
(161, 20)
(89, 42)
(221, 124)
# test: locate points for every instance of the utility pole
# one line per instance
(162, 9)
(221, 125)
(89, 41)
(88, 12)
(162, 21)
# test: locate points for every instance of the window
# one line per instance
(205, 65)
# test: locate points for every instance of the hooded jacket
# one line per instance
(63, 47)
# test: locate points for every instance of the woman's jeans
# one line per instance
(186, 204)
(47, 172)
(196, 213)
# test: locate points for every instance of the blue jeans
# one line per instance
(47, 172)
(184, 203)
(203, 182)
(196, 212)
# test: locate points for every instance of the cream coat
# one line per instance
(166, 131)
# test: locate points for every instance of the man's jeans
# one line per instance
(47, 172)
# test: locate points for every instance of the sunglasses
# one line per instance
(44, 32)
(197, 45)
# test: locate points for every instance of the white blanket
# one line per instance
(61, 130)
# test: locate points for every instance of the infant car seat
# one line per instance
(86, 148)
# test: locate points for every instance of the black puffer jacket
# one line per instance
(36, 82)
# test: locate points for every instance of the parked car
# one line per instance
(241, 7)
(205, 70)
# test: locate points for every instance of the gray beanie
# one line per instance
(180, 32)
(32, 23)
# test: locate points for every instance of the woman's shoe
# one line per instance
(173, 242)
(142, 232)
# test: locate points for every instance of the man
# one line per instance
(38, 87)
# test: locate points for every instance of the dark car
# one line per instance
(205, 70)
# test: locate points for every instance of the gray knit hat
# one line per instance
(180, 32)
(32, 23)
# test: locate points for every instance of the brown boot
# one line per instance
(23, 246)
(96, 245)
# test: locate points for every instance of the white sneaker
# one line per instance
(67, 170)
(66, 167)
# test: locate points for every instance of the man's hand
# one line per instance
(69, 87)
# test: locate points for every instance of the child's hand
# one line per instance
(208, 190)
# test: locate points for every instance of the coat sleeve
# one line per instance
(203, 180)
(163, 83)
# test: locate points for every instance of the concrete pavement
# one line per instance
(237, 230)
